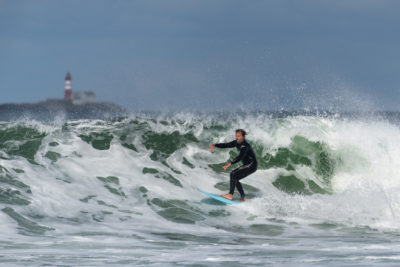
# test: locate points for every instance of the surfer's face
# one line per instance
(239, 137)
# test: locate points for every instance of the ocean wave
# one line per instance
(57, 176)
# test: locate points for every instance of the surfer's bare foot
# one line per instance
(243, 199)
(227, 196)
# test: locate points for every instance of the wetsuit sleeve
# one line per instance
(225, 145)
(242, 154)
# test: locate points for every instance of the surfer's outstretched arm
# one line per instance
(223, 145)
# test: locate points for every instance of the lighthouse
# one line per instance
(67, 95)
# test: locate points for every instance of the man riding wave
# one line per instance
(248, 158)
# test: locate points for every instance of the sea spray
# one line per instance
(134, 180)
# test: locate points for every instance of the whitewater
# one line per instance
(124, 191)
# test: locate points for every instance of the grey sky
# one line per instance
(204, 55)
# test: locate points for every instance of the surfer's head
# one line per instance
(240, 135)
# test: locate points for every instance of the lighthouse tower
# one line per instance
(67, 95)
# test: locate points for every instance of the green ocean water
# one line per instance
(124, 191)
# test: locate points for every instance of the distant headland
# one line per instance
(74, 105)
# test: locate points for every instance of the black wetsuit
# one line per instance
(249, 166)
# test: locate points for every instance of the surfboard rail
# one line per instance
(219, 198)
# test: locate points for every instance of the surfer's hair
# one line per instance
(243, 132)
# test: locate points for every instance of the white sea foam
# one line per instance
(71, 194)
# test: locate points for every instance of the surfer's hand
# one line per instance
(227, 166)
(212, 147)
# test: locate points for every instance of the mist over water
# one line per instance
(124, 191)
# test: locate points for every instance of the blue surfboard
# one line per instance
(221, 199)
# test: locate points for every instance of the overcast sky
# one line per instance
(204, 55)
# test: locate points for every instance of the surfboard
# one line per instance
(221, 199)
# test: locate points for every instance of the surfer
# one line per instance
(248, 158)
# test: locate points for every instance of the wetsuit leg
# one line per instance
(240, 173)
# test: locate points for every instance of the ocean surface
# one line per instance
(123, 191)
